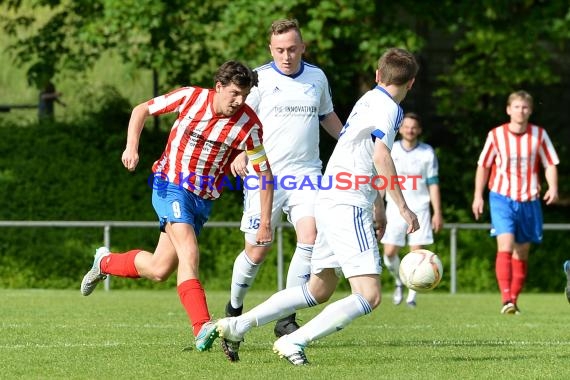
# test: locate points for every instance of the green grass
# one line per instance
(140, 335)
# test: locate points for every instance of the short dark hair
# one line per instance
(397, 67)
(415, 116)
(237, 73)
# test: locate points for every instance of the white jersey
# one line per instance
(289, 107)
(374, 116)
(419, 169)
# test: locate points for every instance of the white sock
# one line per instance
(300, 266)
(333, 318)
(280, 304)
(392, 263)
(411, 295)
(243, 275)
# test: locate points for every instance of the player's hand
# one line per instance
(130, 159)
(436, 222)
(239, 165)
(551, 196)
(379, 221)
(264, 235)
(477, 207)
(411, 219)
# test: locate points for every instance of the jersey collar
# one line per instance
(301, 69)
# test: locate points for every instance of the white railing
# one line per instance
(107, 225)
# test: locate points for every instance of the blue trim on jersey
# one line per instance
(298, 73)
(432, 180)
(522, 219)
(377, 133)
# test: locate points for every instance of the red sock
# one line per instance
(504, 274)
(193, 299)
(121, 264)
(519, 277)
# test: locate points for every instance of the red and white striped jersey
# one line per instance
(201, 144)
(514, 161)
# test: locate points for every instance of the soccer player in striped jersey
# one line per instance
(212, 127)
(292, 99)
(510, 162)
(346, 240)
(417, 162)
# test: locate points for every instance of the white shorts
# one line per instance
(396, 229)
(295, 202)
(345, 240)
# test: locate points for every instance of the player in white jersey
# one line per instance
(292, 99)
(510, 161)
(346, 240)
(417, 165)
(212, 127)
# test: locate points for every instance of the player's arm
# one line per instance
(435, 199)
(385, 166)
(130, 157)
(332, 124)
(261, 166)
(481, 177)
(551, 174)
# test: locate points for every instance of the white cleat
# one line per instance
(294, 353)
(94, 276)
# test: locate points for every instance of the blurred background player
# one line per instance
(293, 97)
(510, 162)
(417, 162)
(567, 271)
(346, 239)
(213, 126)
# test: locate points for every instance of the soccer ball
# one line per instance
(421, 270)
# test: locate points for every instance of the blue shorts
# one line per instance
(522, 219)
(175, 204)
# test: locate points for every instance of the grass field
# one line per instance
(141, 335)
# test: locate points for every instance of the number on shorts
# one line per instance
(176, 209)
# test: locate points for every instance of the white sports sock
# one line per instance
(243, 275)
(411, 295)
(280, 304)
(300, 266)
(333, 318)
(392, 263)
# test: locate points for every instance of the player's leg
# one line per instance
(529, 230)
(503, 217)
(417, 240)
(248, 261)
(393, 240)
(391, 261)
(349, 234)
(300, 210)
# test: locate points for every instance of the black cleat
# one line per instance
(286, 326)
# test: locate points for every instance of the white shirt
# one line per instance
(419, 167)
(374, 116)
(289, 108)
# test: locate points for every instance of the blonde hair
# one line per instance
(522, 95)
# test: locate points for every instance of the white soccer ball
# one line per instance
(421, 270)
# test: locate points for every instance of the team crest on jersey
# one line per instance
(309, 89)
